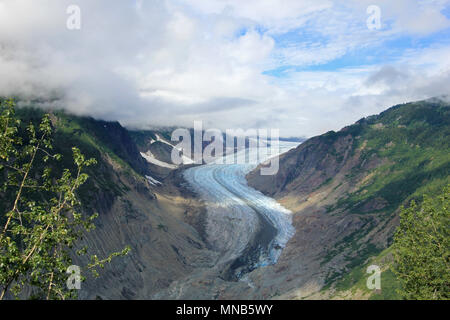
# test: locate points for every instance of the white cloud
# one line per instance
(173, 62)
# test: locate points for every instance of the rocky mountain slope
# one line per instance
(345, 189)
(157, 219)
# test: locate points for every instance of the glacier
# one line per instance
(241, 221)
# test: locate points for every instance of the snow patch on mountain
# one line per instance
(151, 159)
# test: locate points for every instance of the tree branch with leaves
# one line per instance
(44, 221)
(422, 249)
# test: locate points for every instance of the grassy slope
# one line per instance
(414, 138)
(86, 134)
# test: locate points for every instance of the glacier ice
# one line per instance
(234, 209)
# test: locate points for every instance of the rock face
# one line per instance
(117, 139)
(345, 188)
(304, 169)
(163, 246)
(160, 222)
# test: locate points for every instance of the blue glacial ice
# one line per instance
(235, 210)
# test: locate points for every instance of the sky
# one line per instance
(302, 66)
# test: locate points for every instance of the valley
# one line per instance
(248, 227)
(225, 150)
(218, 231)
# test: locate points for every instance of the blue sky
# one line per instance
(383, 52)
(303, 66)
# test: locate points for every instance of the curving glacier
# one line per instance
(248, 228)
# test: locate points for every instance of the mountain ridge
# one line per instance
(359, 177)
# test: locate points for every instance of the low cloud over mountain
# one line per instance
(305, 67)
